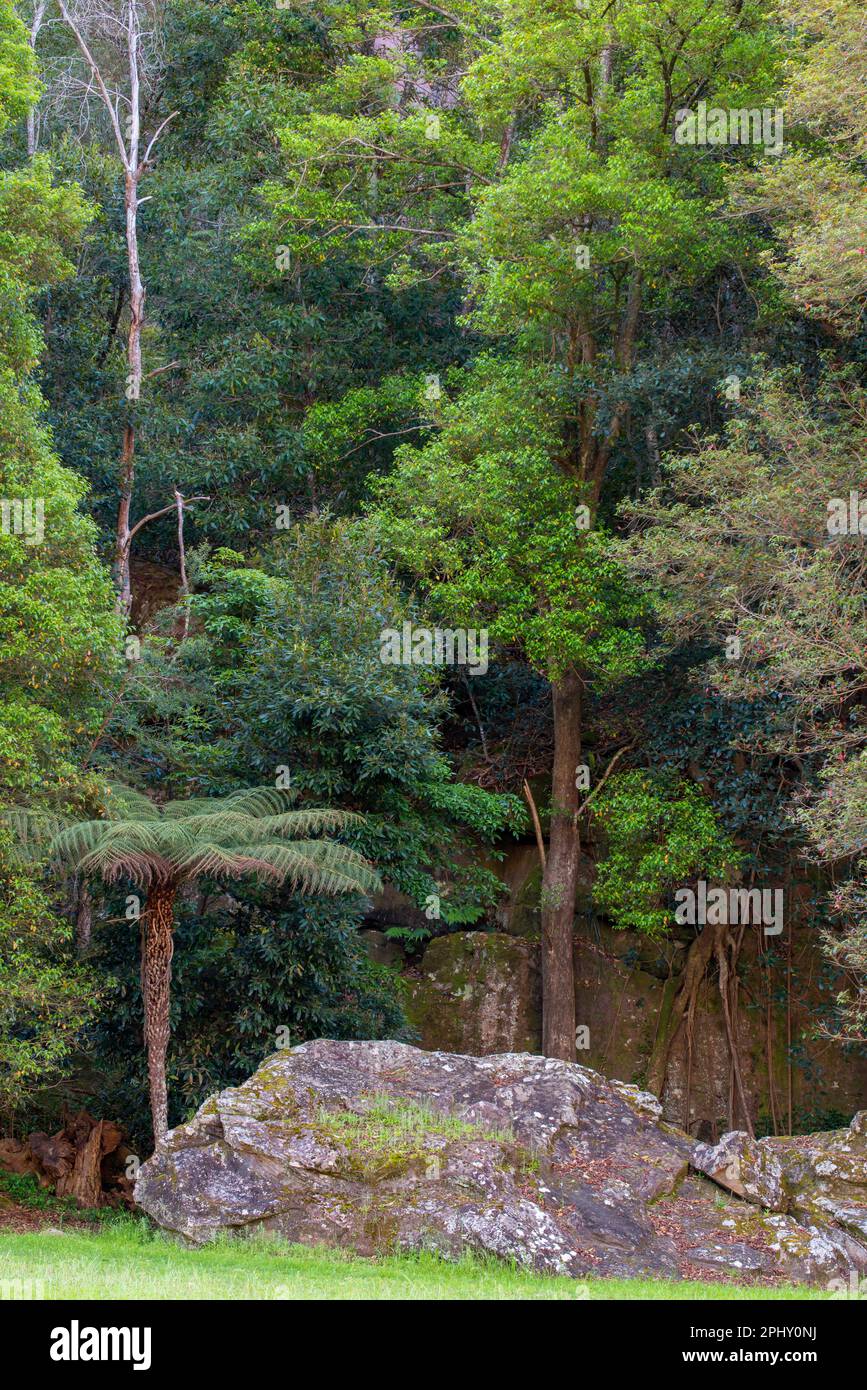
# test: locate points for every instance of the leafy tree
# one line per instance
(660, 834)
(58, 639)
(459, 261)
(236, 349)
(161, 848)
(550, 184)
(18, 83)
(281, 677)
(815, 197)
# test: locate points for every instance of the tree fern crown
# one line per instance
(255, 832)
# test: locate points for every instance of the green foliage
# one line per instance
(59, 640)
(661, 833)
(45, 999)
(58, 636)
(251, 832)
(815, 199)
(282, 671)
(24, 1190)
(256, 347)
(741, 545)
(845, 941)
(486, 518)
(18, 83)
(354, 198)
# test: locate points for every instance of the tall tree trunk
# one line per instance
(33, 34)
(135, 163)
(133, 392)
(158, 946)
(560, 877)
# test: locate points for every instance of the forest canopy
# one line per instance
(532, 334)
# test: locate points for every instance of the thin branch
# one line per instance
(103, 90)
(537, 825)
(154, 138)
(164, 511)
(158, 370)
(608, 771)
(375, 438)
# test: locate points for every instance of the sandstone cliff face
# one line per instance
(479, 992)
(378, 1146)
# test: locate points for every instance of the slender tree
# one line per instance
(119, 83)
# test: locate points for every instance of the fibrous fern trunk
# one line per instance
(158, 945)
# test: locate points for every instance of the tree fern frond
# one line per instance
(255, 802)
(230, 826)
(220, 861)
(262, 801)
(90, 844)
(32, 830)
(320, 866)
(302, 821)
(246, 833)
(112, 864)
(222, 826)
(125, 803)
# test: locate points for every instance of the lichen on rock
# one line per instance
(379, 1146)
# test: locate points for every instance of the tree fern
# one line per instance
(254, 833)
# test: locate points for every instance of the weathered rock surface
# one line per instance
(380, 1146)
(477, 992)
(625, 984)
(820, 1179)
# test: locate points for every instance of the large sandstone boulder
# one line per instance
(379, 1146)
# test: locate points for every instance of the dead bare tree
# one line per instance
(119, 80)
(34, 24)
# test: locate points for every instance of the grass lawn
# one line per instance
(130, 1261)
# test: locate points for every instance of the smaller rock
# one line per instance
(382, 949)
(744, 1166)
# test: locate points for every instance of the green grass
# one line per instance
(387, 1119)
(389, 1134)
(130, 1261)
(24, 1191)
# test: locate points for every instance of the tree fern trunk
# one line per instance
(156, 981)
(83, 919)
